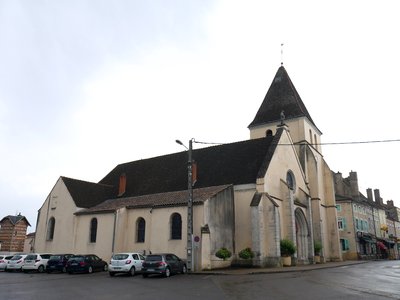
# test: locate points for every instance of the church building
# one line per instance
(247, 194)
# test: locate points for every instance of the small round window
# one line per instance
(290, 181)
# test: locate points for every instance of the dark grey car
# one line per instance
(163, 264)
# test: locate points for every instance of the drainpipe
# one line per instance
(354, 227)
(113, 237)
(376, 238)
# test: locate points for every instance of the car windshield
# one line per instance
(120, 256)
(77, 258)
(55, 257)
(153, 257)
(31, 257)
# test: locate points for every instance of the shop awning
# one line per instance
(381, 245)
(367, 239)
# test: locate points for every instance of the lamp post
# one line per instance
(189, 241)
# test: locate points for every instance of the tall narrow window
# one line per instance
(290, 181)
(176, 227)
(140, 230)
(50, 229)
(93, 230)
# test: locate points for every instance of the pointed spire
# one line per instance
(281, 96)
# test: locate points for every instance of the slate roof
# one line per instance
(282, 95)
(15, 219)
(87, 194)
(235, 163)
(178, 198)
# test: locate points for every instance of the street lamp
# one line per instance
(189, 241)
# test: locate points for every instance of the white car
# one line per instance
(3, 261)
(36, 262)
(16, 262)
(128, 263)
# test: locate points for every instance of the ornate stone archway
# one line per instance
(302, 237)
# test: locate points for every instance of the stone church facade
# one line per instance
(248, 194)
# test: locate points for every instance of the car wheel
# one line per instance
(184, 269)
(167, 272)
(132, 271)
(105, 269)
(144, 275)
(111, 274)
(90, 270)
(41, 269)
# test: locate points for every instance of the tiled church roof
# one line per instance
(236, 163)
(87, 194)
(155, 200)
(281, 96)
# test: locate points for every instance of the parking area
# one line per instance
(99, 285)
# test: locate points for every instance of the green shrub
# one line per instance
(317, 248)
(223, 253)
(246, 253)
(287, 248)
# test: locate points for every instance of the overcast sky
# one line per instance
(86, 85)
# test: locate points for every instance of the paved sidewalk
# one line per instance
(300, 268)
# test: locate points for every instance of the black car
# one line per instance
(87, 263)
(163, 264)
(58, 262)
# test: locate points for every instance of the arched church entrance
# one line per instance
(302, 236)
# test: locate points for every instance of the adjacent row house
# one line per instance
(369, 229)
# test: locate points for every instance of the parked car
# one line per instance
(35, 262)
(16, 262)
(163, 264)
(58, 262)
(3, 261)
(87, 263)
(128, 263)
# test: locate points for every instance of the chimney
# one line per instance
(378, 198)
(122, 184)
(338, 180)
(355, 192)
(369, 195)
(390, 203)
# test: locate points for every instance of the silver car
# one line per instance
(16, 262)
(128, 263)
(3, 261)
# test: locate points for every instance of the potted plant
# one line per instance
(287, 250)
(246, 254)
(317, 251)
(223, 253)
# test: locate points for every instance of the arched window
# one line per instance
(93, 230)
(290, 181)
(50, 229)
(176, 227)
(268, 133)
(140, 230)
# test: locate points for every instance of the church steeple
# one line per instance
(281, 96)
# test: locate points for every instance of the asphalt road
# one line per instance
(373, 280)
